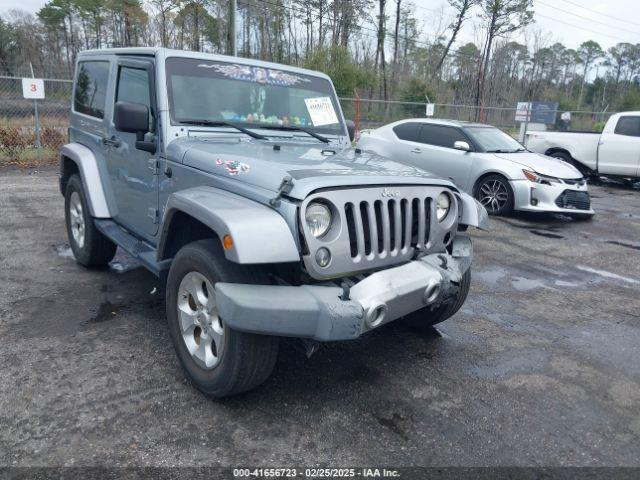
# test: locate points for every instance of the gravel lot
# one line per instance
(540, 367)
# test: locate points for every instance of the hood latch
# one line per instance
(285, 187)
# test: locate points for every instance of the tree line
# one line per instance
(380, 49)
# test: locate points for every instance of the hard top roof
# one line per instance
(168, 52)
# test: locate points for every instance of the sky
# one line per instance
(570, 22)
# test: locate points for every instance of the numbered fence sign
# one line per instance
(32, 88)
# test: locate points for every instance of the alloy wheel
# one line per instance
(494, 195)
(76, 218)
(201, 327)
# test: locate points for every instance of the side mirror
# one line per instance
(134, 118)
(131, 117)
(351, 128)
(460, 145)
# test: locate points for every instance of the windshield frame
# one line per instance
(271, 129)
(469, 130)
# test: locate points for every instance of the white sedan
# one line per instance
(486, 163)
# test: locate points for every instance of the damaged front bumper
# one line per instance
(319, 312)
(535, 197)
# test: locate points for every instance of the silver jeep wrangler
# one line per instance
(236, 182)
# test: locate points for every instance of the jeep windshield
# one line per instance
(210, 91)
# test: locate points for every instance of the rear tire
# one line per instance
(426, 318)
(219, 361)
(90, 247)
(565, 157)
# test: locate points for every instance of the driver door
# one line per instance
(435, 150)
(619, 151)
(133, 172)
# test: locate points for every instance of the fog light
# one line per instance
(323, 257)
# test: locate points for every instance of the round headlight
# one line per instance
(318, 218)
(443, 205)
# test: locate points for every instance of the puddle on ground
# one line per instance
(123, 263)
(633, 246)
(540, 276)
(524, 284)
(606, 274)
(491, 276)
(63, 251)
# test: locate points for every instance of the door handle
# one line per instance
(112, 141)
(416, 150)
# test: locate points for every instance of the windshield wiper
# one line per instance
(294, 128)
(498, 150)
(220, 123)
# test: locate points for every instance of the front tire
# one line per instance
(495, 194)
(426, 318)
(90, 247)
(218, 360)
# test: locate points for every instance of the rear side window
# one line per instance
(91, 88)
(407, 131)
(440, 135)
(629, 126)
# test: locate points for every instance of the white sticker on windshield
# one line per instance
(321, 111)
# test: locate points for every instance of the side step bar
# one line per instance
(135, 247)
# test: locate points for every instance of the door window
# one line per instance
(90, 95)
(407, 131)
(440, 135)
(133, 87)
(629, 126)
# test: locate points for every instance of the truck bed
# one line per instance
(582, 146)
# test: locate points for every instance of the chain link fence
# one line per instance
(19, 129)
(375, 113)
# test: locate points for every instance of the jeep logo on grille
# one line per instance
(387, 192)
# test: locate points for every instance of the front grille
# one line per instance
(574, 181)
(388, 226)
(574, 200)
(375, 227)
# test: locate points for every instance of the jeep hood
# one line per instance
(311, 165)
(542, 164)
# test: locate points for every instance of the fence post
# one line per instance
(357, 119)
(35, 110)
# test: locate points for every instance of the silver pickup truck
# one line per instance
(236, 182)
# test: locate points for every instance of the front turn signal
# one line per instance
(530, 175)
(227, 242)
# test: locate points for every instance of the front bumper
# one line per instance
(545, 197)
(318, 312)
